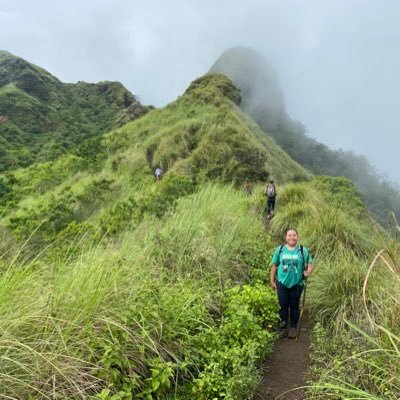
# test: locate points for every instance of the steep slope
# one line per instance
(41, 117)
(263, 100)
(202, 136)
(115, 286)
(353, 293)
(178, 247)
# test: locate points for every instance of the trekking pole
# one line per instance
(302, 310)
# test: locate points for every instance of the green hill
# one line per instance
(115, 286)
(42, 118)
(202, 136)
(264, 102)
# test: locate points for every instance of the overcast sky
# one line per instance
(338, 61)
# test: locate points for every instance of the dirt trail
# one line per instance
(284, 370)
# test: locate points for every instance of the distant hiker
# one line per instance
(247, 187)
(158, 173)
(291, 263)
(270, 192)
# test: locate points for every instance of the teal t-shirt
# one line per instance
(291, 264)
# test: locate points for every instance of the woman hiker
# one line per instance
(291, 263)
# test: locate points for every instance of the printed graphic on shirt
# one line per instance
(290, 263)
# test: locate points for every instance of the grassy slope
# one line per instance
(355, 352)
(201, 129)
(263, 100)
(154, 293)
(154, 308)
(152, 298)
(201, 136)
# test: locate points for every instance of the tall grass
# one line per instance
(365, 305)
(328, 228)
(355, 304)
(126, 302)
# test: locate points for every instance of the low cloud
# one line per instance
(337, 60)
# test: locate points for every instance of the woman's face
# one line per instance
(291, 237)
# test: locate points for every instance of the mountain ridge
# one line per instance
(244, 66)
(199, 137)
(42, 117)
(117, 285)
(263, 100)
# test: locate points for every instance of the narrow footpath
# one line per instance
(283, 372)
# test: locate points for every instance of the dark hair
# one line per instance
(291, 229)
(271, 181)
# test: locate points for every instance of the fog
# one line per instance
(337, 61)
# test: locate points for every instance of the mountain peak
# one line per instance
(5, 53)
(42, 117)
(258, 82)
(213, 85)
(28, 77)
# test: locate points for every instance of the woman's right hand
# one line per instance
(273, 285)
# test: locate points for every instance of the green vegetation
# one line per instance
(361, 360)
(356, 336)
(380, 195)
(263, 100)
(114, 286)
(136, 317)
(193, 140)
(42, 118)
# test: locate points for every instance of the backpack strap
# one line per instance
(280, 252)
(302, 254)
(305, 264)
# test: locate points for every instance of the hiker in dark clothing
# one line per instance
(270, 192)
(247, 187)
(291, 263)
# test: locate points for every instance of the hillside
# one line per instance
(42, 118)
(114, 286)
(202, 136)
(264, 102)
(185, 237)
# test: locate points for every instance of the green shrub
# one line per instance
(238, 345)
(165, 194)
(211, 87)
(122, 215)
(294, 193)
(4, 188)
(230, 158)
(260, 300)
(257, 256)
(89, 200)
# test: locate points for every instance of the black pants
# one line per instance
(289, 299)
(270, 204)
